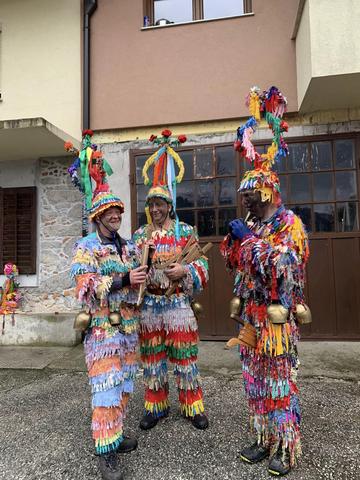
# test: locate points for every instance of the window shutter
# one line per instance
(19, 228)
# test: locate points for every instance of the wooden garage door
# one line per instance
(320, 182)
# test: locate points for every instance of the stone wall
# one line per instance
(59, 226)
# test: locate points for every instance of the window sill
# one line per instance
(24, 280)
(155, 27)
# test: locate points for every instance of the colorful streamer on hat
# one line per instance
(9, 294)
(270, 105)
(165, 179)
(89, 165)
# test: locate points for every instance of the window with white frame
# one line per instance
(163, 12)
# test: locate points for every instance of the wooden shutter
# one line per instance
(19, 228)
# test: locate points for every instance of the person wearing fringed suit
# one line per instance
(107, 274)
(168, 326)
(268, 253)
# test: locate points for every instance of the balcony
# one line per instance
(327, 38)
(31, 139)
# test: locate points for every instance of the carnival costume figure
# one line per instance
(168, 327)
(107, 273)
(268, 252)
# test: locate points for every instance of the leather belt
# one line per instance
(161, 291)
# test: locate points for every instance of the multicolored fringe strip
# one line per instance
(168, 328)
(109, 350)
(270, 266)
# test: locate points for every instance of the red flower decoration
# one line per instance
(68, 146)
(284, 126)
(88, 132)
(237, 145)
(166, 133)
(182, 138)
(152, 138)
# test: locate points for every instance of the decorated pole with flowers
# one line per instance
(89, 166)
(9, 294)
(164, 160)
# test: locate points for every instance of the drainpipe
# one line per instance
(89, 9)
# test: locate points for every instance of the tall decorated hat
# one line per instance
(271, 106)
(163, 161)
(89, 174)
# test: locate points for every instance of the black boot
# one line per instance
(109, 467)
(127, 445)
(200, 421)
(279, 464)
(255, 453)
(148, 421)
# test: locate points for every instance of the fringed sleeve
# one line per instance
(229, 249)
(274, 268)
(92, 288)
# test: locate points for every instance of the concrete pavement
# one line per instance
(45, 419)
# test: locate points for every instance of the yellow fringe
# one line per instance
(178, 162)
(101, 442)
(156, 407)
(147, 165)
(193, 409)
(104, 287)
(254, 105)
(148, 216)
(274, 336)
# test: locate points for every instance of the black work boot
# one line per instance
(148, 421)
(127, 445)
(109, 467)
(200, 421)
(255, 453)
(279, 463)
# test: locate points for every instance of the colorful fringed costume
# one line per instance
(269, 263)
(109, 350)
(100, 268)
(168, 327)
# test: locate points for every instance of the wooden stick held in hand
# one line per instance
(144, 262)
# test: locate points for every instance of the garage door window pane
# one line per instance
(226, 191)
(324, 217)
(283, 188)
(323, 187)
(321, 154)
(345, 186)
(298, 160)
(185, 194)
(188, 158)
(225, 160)
(344, 154)
(206, 223)
(205, 193)
(304, 212)
(347, 216)
(187, 216)
(300, 188)
(226, 215)
(204, 162)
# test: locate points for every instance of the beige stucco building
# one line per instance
(40, 107)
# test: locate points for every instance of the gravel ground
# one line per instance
(45, 431)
